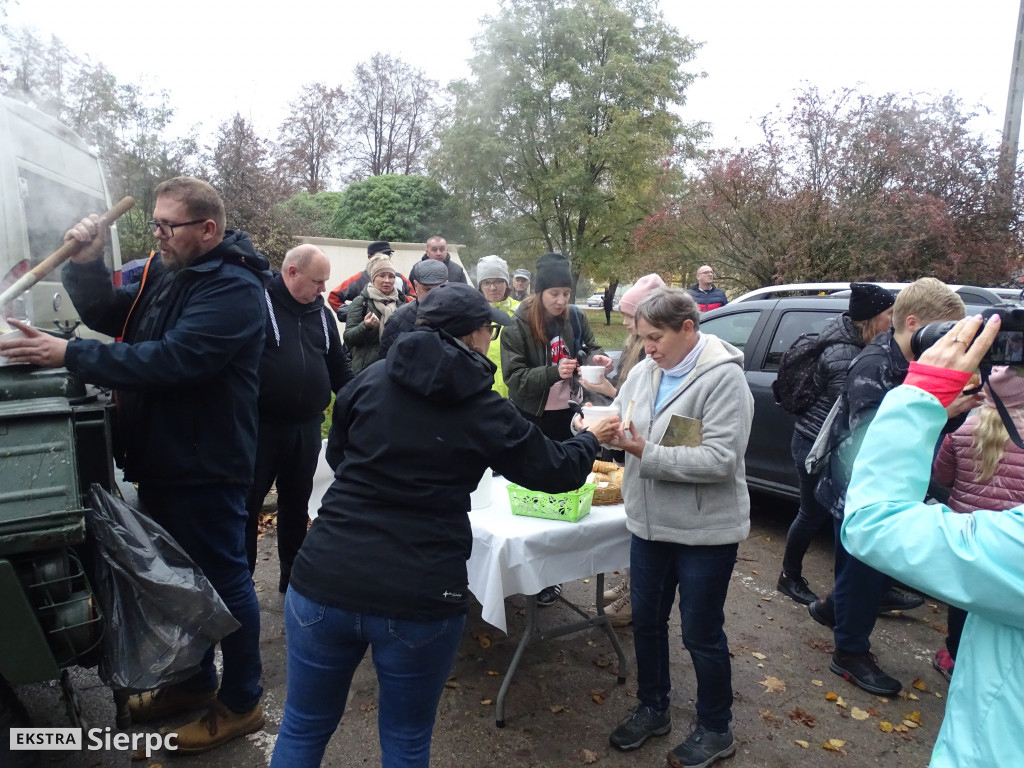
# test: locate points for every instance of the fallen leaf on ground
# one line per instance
(914, 717)
(754, 572)
(597, 698)
(486, 702)
(773, 684)
(938, 695)
(907, 695)
(910, 724)
(817, 644)
(834, 745)
(369, 706)
(493, 672)
(831, 696)
(451, 682)
(885, 727)
(799, 716)
(588, 757)
(919, 684)
(817, 683)
(601, 662)
(766, 599)
(483, 639)
(768, 717)
(874, 712)
(759, 656)
(859, 714)
(802, 743)
(556, 708)
(840, 702)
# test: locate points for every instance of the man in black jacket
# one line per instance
(426, 275)
(437, 249)
(186, 376)
(303, 363)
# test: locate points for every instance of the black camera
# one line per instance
(1007, 349)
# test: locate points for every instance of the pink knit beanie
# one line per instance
(631, 299)
(1007, 384)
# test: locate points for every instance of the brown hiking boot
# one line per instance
(218, 726)
(170, 700)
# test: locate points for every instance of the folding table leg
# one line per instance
(528, 630)
(602, 621)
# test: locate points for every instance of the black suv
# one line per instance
(763, 329)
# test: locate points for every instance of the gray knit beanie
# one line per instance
(492, 268)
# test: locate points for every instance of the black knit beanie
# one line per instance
(552, 272)
(868, 300)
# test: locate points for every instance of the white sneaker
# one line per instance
(620, 589)
(620, 613)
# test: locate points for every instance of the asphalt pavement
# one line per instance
(565, 701)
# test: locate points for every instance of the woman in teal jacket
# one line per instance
(972, 561)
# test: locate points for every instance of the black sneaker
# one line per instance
(824, 612)
(862, 670)
(641, 724)
(549, 595)
(702, 749)
(897, 599)
(796, 588)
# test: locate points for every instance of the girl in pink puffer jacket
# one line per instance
(984, 470)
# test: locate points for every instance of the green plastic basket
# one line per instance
(572, 506)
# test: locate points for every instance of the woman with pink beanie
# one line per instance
(619, 610)
(984, 470)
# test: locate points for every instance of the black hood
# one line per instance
(438, 366)
(237, 248)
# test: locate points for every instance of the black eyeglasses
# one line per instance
(495, 330)
(166, 229)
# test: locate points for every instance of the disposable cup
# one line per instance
(592, 373)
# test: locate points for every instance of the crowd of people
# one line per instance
(232, 365)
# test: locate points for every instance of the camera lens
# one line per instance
(925, 337)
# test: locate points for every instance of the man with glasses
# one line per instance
(437, 249)
(187, 384)
(705, 293)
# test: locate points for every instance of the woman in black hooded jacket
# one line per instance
(384, 564)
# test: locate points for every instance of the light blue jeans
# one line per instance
(326, 644)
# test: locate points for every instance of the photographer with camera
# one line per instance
(857, 598)
(972, 561)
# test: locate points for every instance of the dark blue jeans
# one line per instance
(326, 644)
(702, 575)
(856, 596)
(811, 518)
(209, 524)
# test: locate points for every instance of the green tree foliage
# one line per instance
(399, 208)
(845, 187)
(310, 215)
(560, 137)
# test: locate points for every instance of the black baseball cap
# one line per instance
(459, 309)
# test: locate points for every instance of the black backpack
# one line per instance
(793, 387)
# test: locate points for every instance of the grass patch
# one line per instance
(610, 337)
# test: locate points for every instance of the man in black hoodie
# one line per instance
(303, 363)
(437, 249)
(186, 379)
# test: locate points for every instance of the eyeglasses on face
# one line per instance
(495, 330)
(166, 229)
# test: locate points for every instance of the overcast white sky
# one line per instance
(217, 57)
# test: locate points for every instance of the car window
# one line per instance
(734, 328)
(790, 326)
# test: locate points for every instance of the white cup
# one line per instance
(594, 413)
(592, 373)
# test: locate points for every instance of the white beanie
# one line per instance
(492, 268)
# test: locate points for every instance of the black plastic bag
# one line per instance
(162, 612)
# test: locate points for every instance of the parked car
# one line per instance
(971, 294)
(763, 329)
(597, 300)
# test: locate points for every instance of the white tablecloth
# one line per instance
(515, 555)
